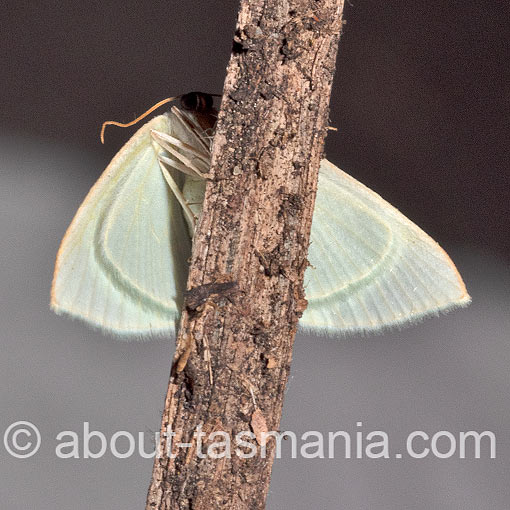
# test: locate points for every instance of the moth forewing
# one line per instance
(122, 264)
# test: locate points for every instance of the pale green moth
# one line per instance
(122, 264)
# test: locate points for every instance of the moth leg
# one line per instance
(169, 162)
(196, 163)
(191, 125)
(178, 194)
(203, 156)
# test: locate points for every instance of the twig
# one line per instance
(252, 237)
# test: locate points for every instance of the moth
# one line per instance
(123, 262)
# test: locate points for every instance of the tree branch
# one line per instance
(246, 293)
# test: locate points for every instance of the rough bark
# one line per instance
(246, 294)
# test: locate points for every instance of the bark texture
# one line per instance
(245, 285)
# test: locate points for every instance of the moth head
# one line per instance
(197, 102)
(201, 106)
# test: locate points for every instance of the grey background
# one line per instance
(420, 102)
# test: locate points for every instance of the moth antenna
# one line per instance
(148, 112)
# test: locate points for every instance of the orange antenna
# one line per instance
(149, 111)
